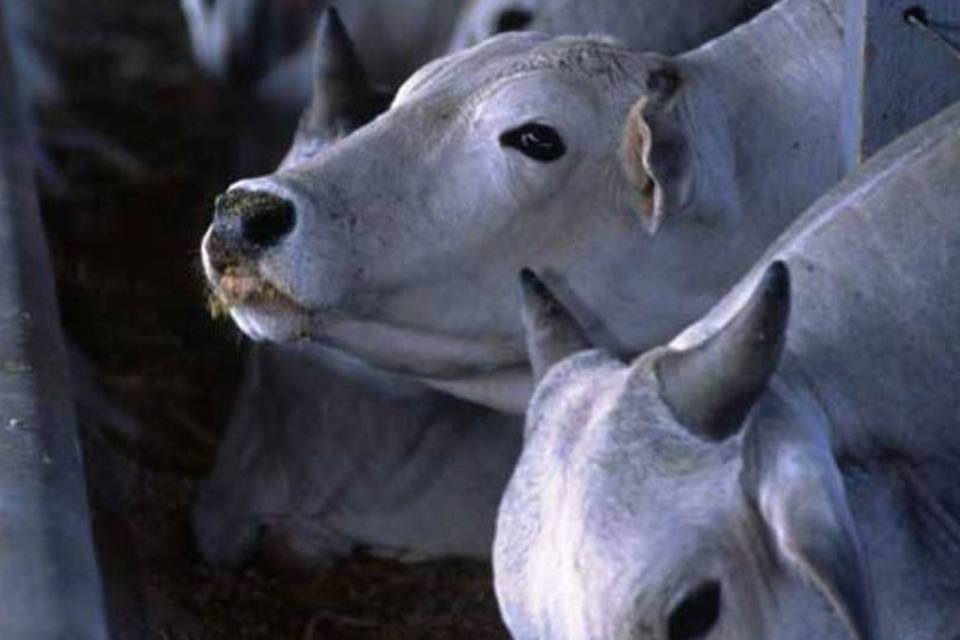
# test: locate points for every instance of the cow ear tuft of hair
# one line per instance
(654, 150)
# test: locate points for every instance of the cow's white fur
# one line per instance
(599, 200)
(411, 272)
(851, 451)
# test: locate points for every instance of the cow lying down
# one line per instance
(317, 464)
(788, 467)
(633, 181)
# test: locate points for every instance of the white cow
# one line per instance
(611, 186)
(788, 467)
(574, 155)
(324, 455)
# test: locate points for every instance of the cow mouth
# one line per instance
(242, 287)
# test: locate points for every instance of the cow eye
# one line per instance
(697, 614)
(537, 141)
(512, 20)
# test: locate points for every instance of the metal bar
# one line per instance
(50, 587)
(917, 17)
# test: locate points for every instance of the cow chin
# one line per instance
(272, 323)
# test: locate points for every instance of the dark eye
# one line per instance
(537, 141)
(512, 20)
(693, 618)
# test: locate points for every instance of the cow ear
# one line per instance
(790, 475)
(711, 387)
(551, 332)
(654, 150)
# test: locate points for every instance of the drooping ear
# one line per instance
(791, 476)
(343, 95)
(552, 333)
(711, 387)
(654, 150)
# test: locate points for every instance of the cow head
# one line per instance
(396, 242)
(684, 495)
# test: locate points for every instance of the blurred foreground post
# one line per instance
(50, 586)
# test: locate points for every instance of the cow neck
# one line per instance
(773, 86)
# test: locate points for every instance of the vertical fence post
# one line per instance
(50, 587)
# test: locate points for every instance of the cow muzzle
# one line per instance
(247, 225)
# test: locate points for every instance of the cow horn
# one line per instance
(711, 387)
(552, 334)
(341, 88)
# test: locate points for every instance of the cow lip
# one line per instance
(238, 286)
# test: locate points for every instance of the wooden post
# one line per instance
(902, 66)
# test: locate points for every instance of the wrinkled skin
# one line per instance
(666, 26)
(401, 255)
(830, 509)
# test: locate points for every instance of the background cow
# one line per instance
(648, 25)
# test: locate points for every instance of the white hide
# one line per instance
(832, 510)
(677, 174)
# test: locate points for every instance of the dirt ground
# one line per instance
(138, 148)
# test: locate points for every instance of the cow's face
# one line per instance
(641, 508)
(399, 242)
(616, 531)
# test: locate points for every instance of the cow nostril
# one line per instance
(263, 218)
(266, 227)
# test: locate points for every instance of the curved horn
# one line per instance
(342, 92)
(711, 387)
(552, 333)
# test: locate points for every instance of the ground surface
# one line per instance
(141, 147)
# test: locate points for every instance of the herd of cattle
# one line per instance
(508, 230)
(522, 288)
